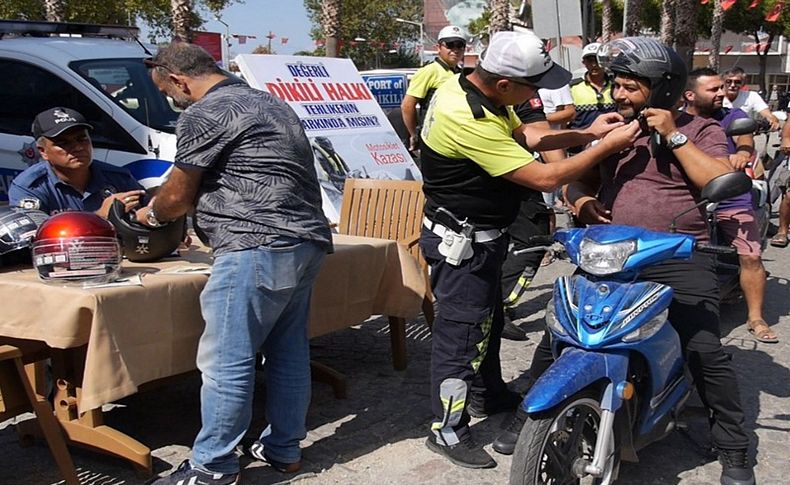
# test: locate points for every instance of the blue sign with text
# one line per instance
(388, 89)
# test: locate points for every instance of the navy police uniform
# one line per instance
(38, 187)
(467, 147)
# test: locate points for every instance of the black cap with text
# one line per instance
(54, 121)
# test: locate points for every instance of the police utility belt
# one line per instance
(457, 236)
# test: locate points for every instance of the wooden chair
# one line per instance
(388, 209)
(17, 396)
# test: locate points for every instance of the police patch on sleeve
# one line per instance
(30, 203)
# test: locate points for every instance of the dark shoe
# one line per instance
(503, 402)
(735, 468)
(505, 443)
(186, 474)
(465, 453)
(511, 332)
(257, 451)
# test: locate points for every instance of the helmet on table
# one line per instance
(17, 228)
(142, 244)
(648, 59)
(76, 247)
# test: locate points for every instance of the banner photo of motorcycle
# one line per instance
(349, 133)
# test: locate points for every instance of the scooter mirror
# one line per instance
(727, 186)
(741, 126)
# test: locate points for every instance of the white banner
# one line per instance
(349, 132)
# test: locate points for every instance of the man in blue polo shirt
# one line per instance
(67, 177)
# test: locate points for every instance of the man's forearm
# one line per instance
(544, 140)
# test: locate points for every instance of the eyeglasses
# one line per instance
(523, 83)
(150, 64)
(734, 82)
(455, 44)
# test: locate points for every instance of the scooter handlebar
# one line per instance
(714, 248)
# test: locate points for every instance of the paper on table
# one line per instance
(191, 269)
(132, 280)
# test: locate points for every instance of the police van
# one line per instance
(96, 70)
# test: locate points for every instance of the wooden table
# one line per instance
(106, 342)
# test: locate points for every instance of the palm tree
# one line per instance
(686, 29)
(330, 23)
(55, 10)
(715, 35)
(633, 21)
(607, 26)
(500, 15)
(181, 11)
(668, 22)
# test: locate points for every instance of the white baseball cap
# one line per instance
(523, 55)
(591, 50)
(451, 33)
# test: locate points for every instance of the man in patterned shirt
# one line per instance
(245, 163)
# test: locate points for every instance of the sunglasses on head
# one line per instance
(150, 64)
(456, 44)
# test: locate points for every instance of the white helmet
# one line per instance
(451, 33)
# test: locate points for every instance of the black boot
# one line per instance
(480, 407)
(735, 467)
(465, 453)
(505, 443)
(511, 332)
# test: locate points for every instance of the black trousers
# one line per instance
(467, 331)
(694, 313)
(519, 269)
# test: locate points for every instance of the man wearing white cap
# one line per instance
(451, 46)
(592, 94)
(474, 172)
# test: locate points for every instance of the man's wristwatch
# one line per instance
(676, 140)
(150, 218)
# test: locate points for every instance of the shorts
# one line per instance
(738, 227)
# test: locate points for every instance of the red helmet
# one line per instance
(76, 247)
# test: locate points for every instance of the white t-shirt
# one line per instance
(747, 101)
(555, 97)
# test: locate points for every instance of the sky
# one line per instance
(284, 18)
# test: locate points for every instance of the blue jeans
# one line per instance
(256, 299)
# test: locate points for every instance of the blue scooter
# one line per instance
(619, 380)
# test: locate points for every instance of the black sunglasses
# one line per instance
(150, 64)
(734, 82)
(457, 44)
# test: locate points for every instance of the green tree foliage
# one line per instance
(374, 21)
(155, 13)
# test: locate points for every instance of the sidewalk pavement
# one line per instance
(377, 434)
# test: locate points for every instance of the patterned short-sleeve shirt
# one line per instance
(259, 179)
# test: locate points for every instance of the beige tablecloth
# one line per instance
(137, 334)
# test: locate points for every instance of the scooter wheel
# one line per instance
(553, 443)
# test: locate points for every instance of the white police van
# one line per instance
(96, 70)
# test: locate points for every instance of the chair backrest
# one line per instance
(386, 209)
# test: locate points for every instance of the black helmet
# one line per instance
(143, 244)
(17, 228)
(649, 59)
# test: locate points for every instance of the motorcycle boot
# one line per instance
(735, 467)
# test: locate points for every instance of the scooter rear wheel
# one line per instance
(552, 441)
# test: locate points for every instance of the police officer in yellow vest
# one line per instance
(423, 84)
(475, 168)
(592, 94)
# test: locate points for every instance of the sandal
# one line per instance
(779, 240)
(761, 332)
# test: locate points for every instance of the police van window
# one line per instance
(127, 83)
(26, 90)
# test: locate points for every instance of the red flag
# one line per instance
(726, 4)
(754, 4)
(728, 49)
(320, 42)
(283, 40)
(774, 14)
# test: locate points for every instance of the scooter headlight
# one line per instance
(648, 329)
(552, 321)
(602, 259)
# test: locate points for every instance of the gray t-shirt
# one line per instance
(647, 191)
(259, 179)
